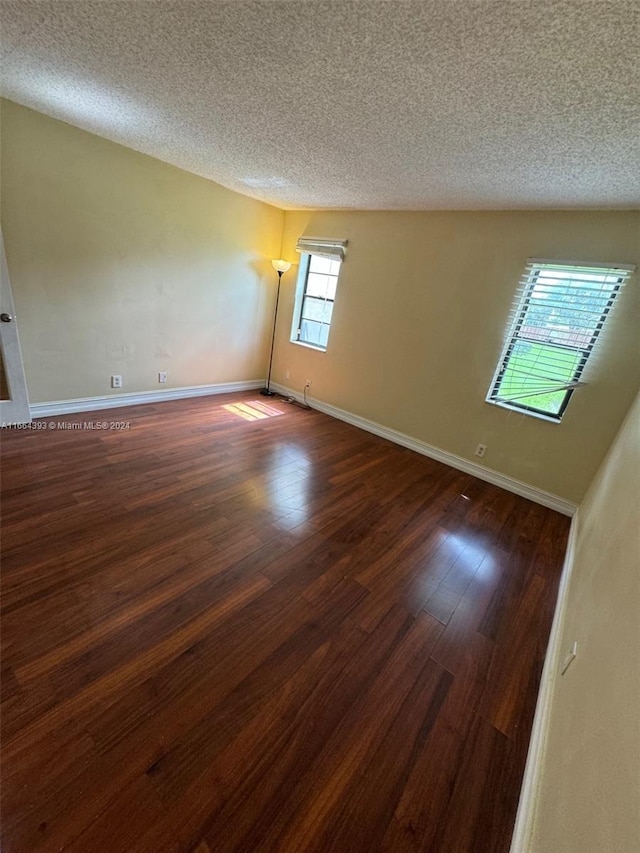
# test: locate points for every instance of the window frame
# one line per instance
(301, 293)
(534, 269)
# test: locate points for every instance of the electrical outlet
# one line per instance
(162, 377)
(287, 374)
(307, 383)
(481, 449)
(116, 381)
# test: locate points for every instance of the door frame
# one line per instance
(15, 410)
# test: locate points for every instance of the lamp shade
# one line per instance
(280, 265)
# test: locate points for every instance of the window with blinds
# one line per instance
(316, 291)
(559, 313)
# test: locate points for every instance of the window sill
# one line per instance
(308, 346)
(550, 419)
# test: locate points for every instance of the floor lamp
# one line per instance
(279, 266)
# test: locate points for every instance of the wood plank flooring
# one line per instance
(237, 625)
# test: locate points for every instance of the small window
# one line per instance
(316, 291)
(559, 315)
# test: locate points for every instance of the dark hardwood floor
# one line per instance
(242, 626)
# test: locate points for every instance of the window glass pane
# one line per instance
(533, 370)
(324, 335)
(335, 268)
(317, 285)
(331, 287)
(317, 309)
(321, 265)
(311, 333)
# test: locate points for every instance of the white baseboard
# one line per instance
(116, 401)
(525, 817)
(495, 477)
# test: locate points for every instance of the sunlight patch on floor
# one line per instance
(254, 410)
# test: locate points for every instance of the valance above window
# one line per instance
(334, 249)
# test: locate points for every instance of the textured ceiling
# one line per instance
(381, 105)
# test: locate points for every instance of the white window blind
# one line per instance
(560, 311)
(334, 249)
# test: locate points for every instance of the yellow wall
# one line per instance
(589, 799)
(421, 309)
(121, 264)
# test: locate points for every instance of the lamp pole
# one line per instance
(280, 267)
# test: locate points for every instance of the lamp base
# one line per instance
(267, 392)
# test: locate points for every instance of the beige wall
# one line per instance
(589, 800)
(123, 264)
(421, 309)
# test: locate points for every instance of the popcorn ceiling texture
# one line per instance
(425, 104)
